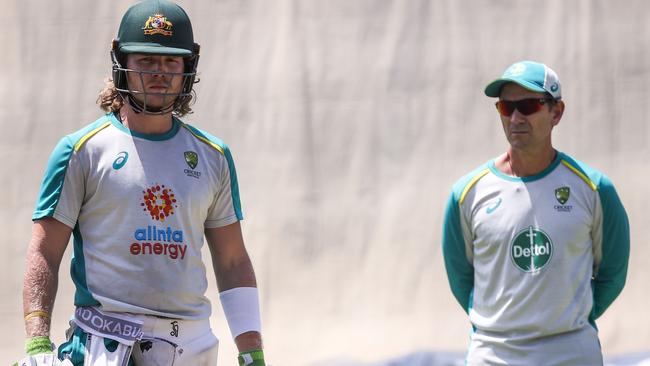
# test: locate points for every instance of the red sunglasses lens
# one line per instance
(524, 106)
(505, 108)
(529, 106)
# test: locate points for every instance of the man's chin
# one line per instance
(156, 102)
(518, 143)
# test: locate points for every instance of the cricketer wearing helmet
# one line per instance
(139, 190)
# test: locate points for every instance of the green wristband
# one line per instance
(251, 358)
(37, 345)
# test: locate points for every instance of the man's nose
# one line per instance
(158, 68)
(517, 117)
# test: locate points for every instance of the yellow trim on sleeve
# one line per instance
(471, 184)
(205, 140)
(90, 134)
(591, 184)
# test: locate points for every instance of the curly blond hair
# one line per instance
(110, 100)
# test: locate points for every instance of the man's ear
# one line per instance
(557, 111)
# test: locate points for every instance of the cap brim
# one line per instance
(493, 89)
(154, 49)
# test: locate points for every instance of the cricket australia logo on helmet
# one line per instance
(531, 249)
(158, 24)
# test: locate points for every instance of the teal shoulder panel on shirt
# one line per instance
(220, 146)
(57, 166)
(589, 175)
(212, 141)
(467, 182)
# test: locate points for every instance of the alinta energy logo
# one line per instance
(531, 250)
(154, 240)
(159, 201)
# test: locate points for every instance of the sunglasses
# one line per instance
(524, 106)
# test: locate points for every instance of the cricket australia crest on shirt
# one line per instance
(562, 195)
(531, 249)
(192, 160)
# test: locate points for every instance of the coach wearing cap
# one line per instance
(536, 243)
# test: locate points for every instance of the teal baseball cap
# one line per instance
(531, 75)
(157, 27)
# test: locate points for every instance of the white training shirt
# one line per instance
(138, 205)
(536, 256)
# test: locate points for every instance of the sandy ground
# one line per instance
(348, 121)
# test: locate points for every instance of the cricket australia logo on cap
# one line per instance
(158, 24)
(531, 250)
(517, 69)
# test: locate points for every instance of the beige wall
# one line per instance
(348, 120)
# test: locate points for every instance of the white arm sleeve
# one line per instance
(241, 305)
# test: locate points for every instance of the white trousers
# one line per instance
(191, 342)
(161, 342)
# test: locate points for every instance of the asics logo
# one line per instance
(493, 206)
(121, 159)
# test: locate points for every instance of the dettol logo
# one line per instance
(531, 249)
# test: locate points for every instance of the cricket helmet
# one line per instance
(155, 27)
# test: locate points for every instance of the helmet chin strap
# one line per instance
(139, 107)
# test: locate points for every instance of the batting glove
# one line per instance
(40, 353)
(251, 358)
